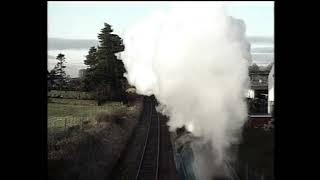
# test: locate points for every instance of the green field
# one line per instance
(70, 112)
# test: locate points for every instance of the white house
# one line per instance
(271, 90)
(250, 94)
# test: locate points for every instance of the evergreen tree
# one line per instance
(104, 74)
(91, 58)
(58, 72)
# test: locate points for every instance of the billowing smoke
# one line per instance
(194, 59)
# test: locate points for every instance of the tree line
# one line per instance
(104, 73)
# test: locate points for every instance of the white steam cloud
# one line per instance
(194, 59)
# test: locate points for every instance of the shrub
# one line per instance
(116, 116)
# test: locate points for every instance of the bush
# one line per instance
(117, 116)
(102, 94)
(132, 96)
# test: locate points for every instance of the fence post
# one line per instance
(65, 124)
(81, 121)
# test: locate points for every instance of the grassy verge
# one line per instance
(90, 152)
(70, 112)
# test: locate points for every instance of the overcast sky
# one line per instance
(73, 26)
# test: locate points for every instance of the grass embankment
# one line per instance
(66, 113)
(90, 152)
(73, 111)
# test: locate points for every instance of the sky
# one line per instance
(73, 26)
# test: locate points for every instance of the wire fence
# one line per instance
(60, 127)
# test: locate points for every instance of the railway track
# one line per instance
(157, 145)
(149, 161)
(233, 173)
(149, 153)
